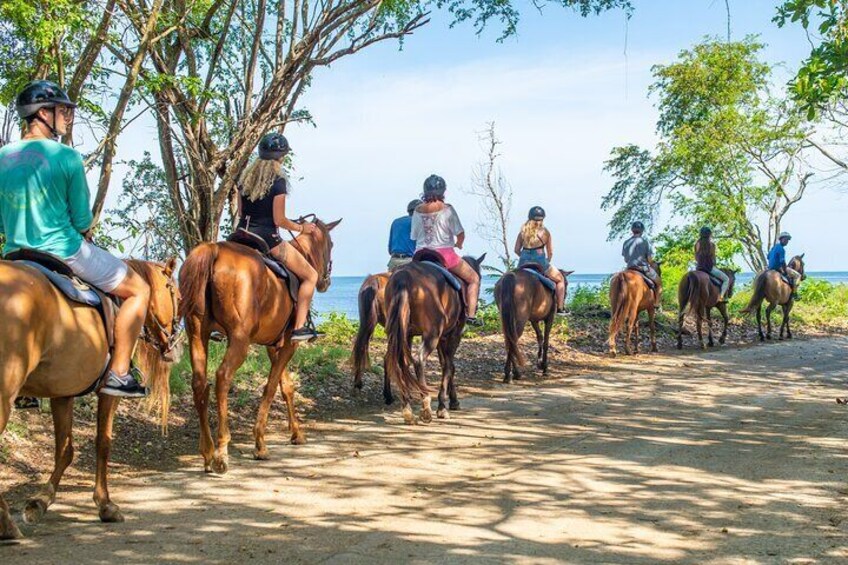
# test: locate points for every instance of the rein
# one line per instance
(328, 263)
(173, 337)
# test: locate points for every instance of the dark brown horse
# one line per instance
(770, 287)
(521, 297)
(372, 311)
(52, 348)
(629, 295)
(226, 287)
(698, 294)
(422, 303)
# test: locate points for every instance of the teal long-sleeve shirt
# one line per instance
(45, 202)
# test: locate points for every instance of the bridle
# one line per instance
(166, 341)
(328, 261)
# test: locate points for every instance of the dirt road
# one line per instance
(708, 458)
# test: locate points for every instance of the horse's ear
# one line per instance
(480, 259)
(802, 255)
(170, 266)
(332, 225)
(566, 274)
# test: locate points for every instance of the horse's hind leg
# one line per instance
(199, 352)
(106, 408)
(652, 320)
(450, 351)
(63, 419)
(784, 323)
(261, 450)
(442, 411)
(760, 323)
(237, 348)
(388, 397)
(722, 308)
(539, 341)
(8, 529)
(546, 340)
(769, 310)
(710, 341)
(428, 344)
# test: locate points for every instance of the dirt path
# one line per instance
(695, 459)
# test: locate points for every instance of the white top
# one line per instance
(436, 230)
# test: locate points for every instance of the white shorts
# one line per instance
(97, 267)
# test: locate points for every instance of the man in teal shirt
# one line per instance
(45, 205)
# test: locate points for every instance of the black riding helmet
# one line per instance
(413, 204)
(706, 231)
(536, 213)
(41, 94)
(637, 227)
(435, 186)
(273, 146)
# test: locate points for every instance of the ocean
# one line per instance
(341, 296)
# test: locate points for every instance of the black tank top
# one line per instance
(261, 212)
(705, 257)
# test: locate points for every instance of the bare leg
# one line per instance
(199, 351)
(237, 348)
(136, 298)
(106, 408)
(308, 279)
(472, 285)
(63, 419)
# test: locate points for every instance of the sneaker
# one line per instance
(305, 334)
(26, 402)
(125, 386)
(473, 321)
(217, 336)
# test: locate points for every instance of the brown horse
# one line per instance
(698, 293)
(521, 297)
(372, 311)
(769, 286)
(226, 287)
(422, 303)
(52, 348)
(629, 295)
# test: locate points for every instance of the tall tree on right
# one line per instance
(729, 155)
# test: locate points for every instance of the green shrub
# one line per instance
(320, 361)
(339, 329)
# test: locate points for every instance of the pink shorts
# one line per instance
(449, 256)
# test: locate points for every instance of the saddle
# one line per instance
(716, 282)
(536, 270)
(75, 290)
(645, 277)
(435, 260)
(249, 239)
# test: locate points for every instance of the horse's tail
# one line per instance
(758, 294)
(398, 354)
(194, 279)
(509, 322)
(685, 293)
(618, 306)
(368, 305)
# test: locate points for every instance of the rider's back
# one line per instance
(44, 198)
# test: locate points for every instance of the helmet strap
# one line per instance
(54, 134)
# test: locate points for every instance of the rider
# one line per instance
(705, 256)
(262, 211)
(535, 245)
(436, 226)
(401, 245)
(638, 254)
(777, 262)
(45, 205)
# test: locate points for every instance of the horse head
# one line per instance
(731, 274)
(318, 251)
(476, 263)
(797, 263)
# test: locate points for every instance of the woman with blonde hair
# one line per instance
(535, 245)
(262, 211)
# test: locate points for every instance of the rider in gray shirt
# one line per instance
(638, 253)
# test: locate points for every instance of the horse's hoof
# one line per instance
(389, 400)
(442, 414)
(613, 354)
(261, 454)
(507, 380)
(10, 532)
(426, 416)
(408, 418)
(298, 439)
(454, 405)
(220, 466)
(34, 510)
(111, 514)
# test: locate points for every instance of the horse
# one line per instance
(227, 287)
(372, 311)
(421, 302)
(521, 297)
(700, 295)
(53, 348)
(629, 295)
(769, 286)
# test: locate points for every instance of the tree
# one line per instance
(730, 155)
(494, 194)
(823, 76)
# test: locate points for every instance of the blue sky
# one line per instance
(562, 94)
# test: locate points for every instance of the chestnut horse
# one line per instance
(769, 286)
(53, 348)
(629, 295)
(372, 311)
(226, 287)
(421, 302)
(698, 294)
(521, 297)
